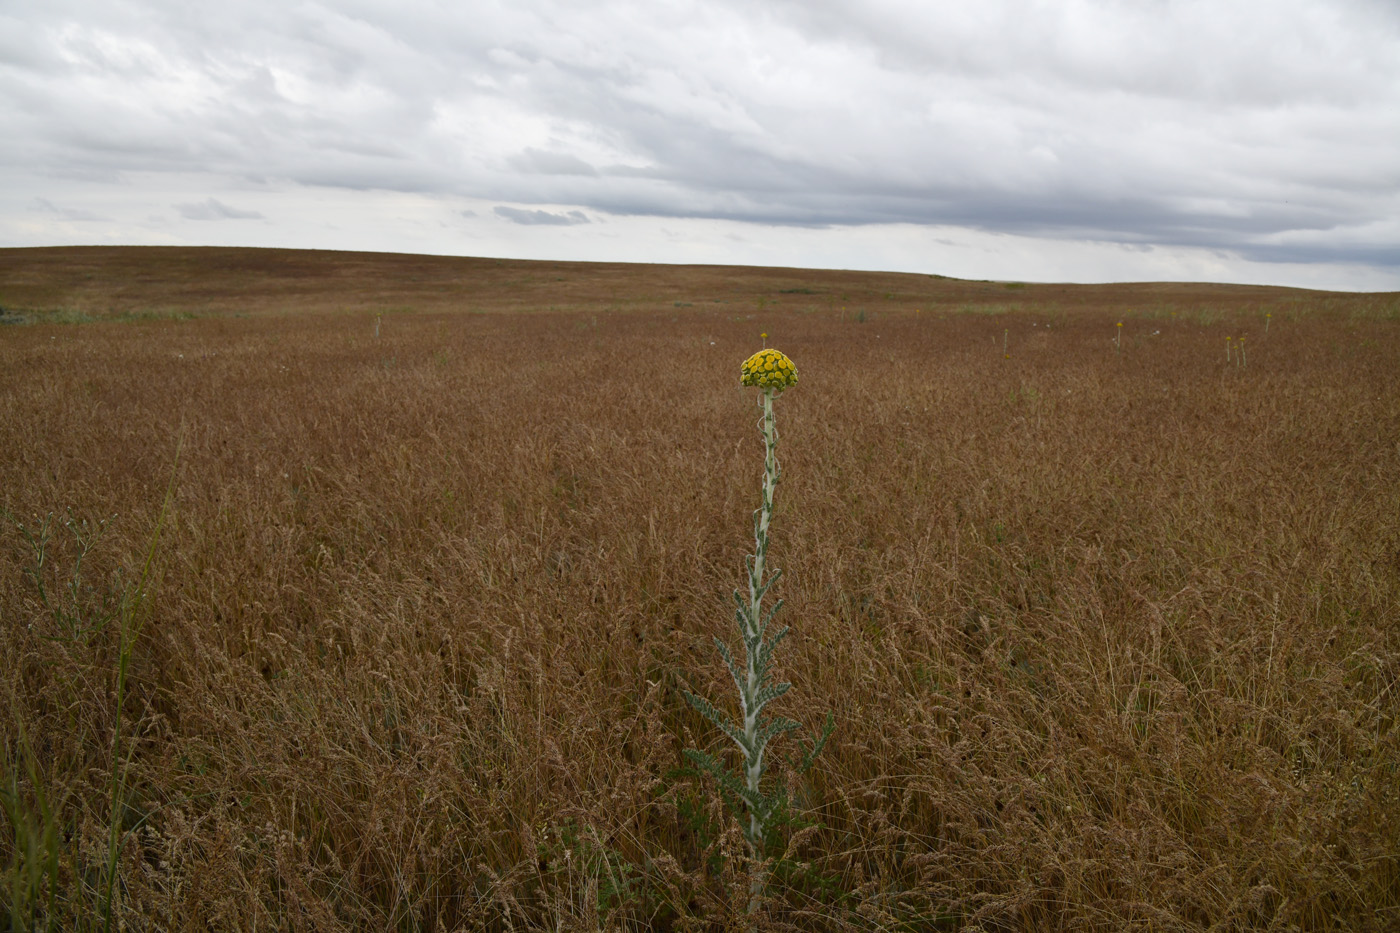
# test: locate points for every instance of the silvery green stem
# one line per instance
(753, 627)
(752, 731)
(753, 635)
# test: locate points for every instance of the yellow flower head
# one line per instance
(768, 369)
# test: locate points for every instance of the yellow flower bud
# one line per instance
(768, 369)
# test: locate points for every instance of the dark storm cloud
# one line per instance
(1270, 129)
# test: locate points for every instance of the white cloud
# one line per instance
(1265, 132)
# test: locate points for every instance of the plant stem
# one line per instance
(753, 643)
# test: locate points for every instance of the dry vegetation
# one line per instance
(1111, 637)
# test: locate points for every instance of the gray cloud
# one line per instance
(528, 217)
(72, 214)
(536, 161)
(1269, 129)
(215, 210)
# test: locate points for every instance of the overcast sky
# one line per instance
(1062, 140)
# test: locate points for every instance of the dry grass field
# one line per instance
(348, 592)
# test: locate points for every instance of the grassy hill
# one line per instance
(83, 282)
(359, 592)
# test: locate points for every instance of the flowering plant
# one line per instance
(771, 371)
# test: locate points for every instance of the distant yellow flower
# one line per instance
(768, 369)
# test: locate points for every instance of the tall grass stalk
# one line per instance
(131, 622)
(32, 879)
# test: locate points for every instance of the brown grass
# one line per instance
(1111, 638)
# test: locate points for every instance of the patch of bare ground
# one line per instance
(1110, 632)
